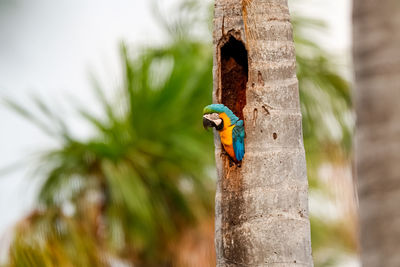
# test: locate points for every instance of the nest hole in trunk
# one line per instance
(234, 75)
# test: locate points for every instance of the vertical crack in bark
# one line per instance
(234, 75)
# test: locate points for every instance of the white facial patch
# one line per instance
(218, 122)
(212, 116)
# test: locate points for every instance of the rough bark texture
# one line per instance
(262, 206)
(376, 53)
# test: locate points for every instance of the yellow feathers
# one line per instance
(226, 135)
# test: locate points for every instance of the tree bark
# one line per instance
(262, 205)
(376, 53)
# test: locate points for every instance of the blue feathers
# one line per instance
(238, 140)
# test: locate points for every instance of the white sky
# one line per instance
(48, 48)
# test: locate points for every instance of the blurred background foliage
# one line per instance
(140, 191)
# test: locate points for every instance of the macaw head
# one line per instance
(211, 116)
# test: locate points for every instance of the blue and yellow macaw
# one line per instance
(230, 128)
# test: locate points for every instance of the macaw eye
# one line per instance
(219, 124)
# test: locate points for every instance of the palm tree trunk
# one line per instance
(262, 206)
(376, 53)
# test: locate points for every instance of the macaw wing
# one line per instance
(238, 140)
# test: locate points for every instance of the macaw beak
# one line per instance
(208, 123)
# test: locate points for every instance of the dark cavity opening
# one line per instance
(234, 75)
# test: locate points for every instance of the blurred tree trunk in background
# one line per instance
(376, 55)
(262, 206)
